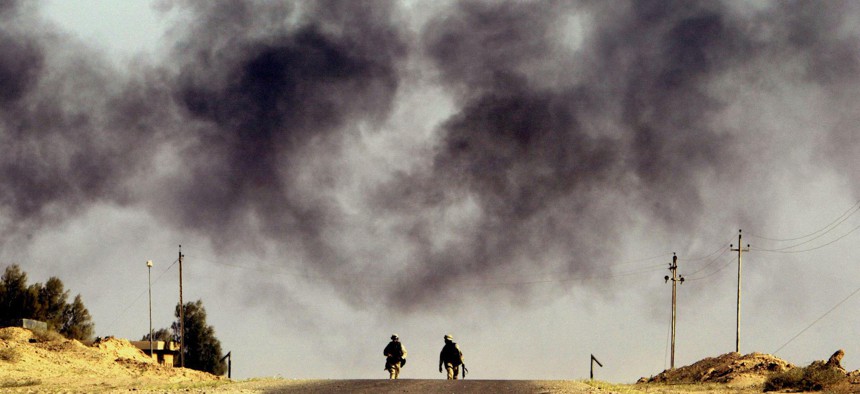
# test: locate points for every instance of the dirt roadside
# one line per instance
(45, 363)
(50, 363)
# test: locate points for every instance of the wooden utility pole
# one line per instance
(740, 251)
(675, 279)
(181, 316)
(594, 360)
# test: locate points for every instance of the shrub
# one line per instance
(815, 377)
(783, 380)
(47, 335)
(10, 354)
(20, 383)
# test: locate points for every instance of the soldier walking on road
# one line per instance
(451, 357)
(395, 357)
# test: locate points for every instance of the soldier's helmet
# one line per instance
(448, 337)
(394, 336)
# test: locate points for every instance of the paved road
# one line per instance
(410, 386)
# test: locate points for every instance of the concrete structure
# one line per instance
(162, 352)
(26, 323)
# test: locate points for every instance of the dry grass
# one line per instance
(47, 336)
(611, 387)
(668, 388)
(812, 378)
(8, 384)
(10, 354)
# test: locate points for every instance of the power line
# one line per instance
(721, 268)
(568, 279)
(818, 319)
(628, 262)
(839, 220)
(708, 264)
(559, 277)
(121, 314)
(544, 278)
(783, 250)
(721, 248)
(552, 277)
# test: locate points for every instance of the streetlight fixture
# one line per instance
(149, 272)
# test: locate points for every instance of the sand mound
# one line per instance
(122, 349)
(111, 363)
(752, 368)
(15, 334)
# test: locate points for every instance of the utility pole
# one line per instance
(181, 316)
(149, 285)
(740, 251)
(675, 279)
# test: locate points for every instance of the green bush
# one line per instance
(812, 378)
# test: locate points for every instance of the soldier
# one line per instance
(395, 357)
(451, 357)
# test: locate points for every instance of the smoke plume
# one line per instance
(571, 122)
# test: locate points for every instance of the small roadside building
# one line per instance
(164, 353)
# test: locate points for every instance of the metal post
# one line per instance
(149, 285)
(740, 251)
(594, 360)
(229, 359)
(181, 316)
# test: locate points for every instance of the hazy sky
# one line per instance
(516, 174)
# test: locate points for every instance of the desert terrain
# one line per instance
(34, 362)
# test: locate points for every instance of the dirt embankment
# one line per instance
(750, 369)
(757, 370)
(50, 363)
(44, 361)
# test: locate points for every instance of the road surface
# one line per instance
(410, 386)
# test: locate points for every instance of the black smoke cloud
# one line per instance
(260, 97)
(640, 115)
(68, 137)
(21, 63)
(553, 147)
(540, 158)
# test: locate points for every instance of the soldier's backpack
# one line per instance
(452, 354)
